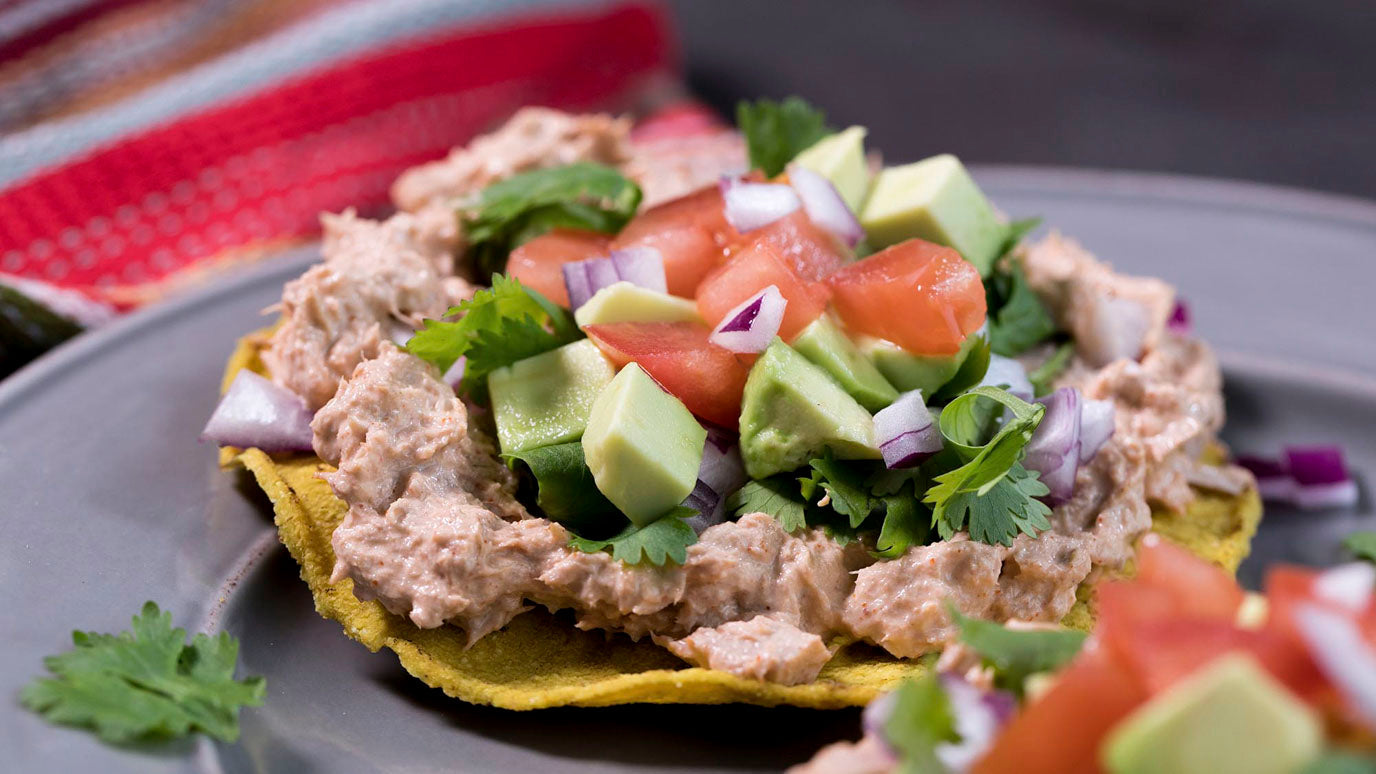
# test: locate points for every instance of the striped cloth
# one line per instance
(148, 143)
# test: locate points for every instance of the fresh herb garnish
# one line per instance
(1341, 762)
(991, 494)
(1043, 375)
(906, 523)
(1362, 545)
(567, 492)
(845, 483)
(146, 684)
(921, 720)
(497, 327)
(776, 496)
(1017, 654)
(776, 132)
(513, 211)
(1017, 319)
(664, 540)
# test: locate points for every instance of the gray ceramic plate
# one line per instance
(107, 499)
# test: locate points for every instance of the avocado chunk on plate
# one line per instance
(934, 199)
(824, 344)
(642, 446)
(625, 302)
(545, 399)
(840, 158)
(792, 412)
(906, 371)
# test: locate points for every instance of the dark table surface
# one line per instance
(1278, 91)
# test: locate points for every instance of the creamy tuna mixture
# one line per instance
(435, 533)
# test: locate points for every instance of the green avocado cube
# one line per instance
(934, 199)
(840, 158)
(824, 344)
(625, 302)
(642, 446)
(545, 399)
(792, 412)
(906, 371)
(1232, 716)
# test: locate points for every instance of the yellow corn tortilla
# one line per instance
(540, 660)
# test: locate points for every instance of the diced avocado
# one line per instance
(934, 199)
(840, 158)
(906, 371)
(642, 446)
(544, 400)
(624, 302)
(1230, 717)
(826, 345)
(792, 412)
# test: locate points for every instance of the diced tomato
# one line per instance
(539, 263)
(921, 296)
(691, 233)
(815, 253)
(708, 379)
(1060, 732)
(752, 269)
(1199, 588)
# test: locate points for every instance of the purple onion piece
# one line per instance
(749, 206)
(577, 284)
(1310, 465)
(1180, 320)
(906, 432)
(1054, 450)
(750, 327)
(1096, 426)
(978, 718)
(642, 266)
(1010, 374)
(256, 413)
(824, 205)
(720, 473)
(1263, 467)
(601, 273)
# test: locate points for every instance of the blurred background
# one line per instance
(146, 145)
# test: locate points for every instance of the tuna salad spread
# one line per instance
(751, 395)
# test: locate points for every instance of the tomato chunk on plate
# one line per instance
(539, 263)
(691, 233)
(923, 297)
(815, 253)
(752, 269)
(708, 379)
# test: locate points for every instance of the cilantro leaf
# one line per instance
(497, 327)
(566, 490)
(845, 483)
(1341, 762)
(1017, 654)
(776, 496)
(1362, 545)
(1015, 231)
(146, 684)
(776, 132)
(921, 719)
(906, 524)
(663, 540)
(996, 514)
(510, 212)
(963, 421)
(1043, 375)
(1021, 321)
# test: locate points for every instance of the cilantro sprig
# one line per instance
(146, 684)
(1017, 654)
(777, 496)
(1362, 545)
(513, 211)
(498, 326)
(663, 540)
(776, 132)
(1017, 319)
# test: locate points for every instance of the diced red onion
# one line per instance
(876, 715)
(1180, 322)
(1348, 586)
(1054, 450)
(906, 432)
(720, 473)
(1308, 477)
(401, 333)
(978, 717)
(1096, 426)
(751, 326)
(1010, 374)
(454, 376)
(824, 205)
(1117, 329)
(255, 413)
(1343, 655)
(642, 266)
(752, 205)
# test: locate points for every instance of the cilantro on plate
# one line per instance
(921, 719)
(146, 684)
(513, 211)
(1043, 375)
(1017, 319)
(776, 132)
(566, 491)
(776, 496)
(497, 327)
(846, 485)
(1017, 654)
(663, 540)
(1362, 545)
